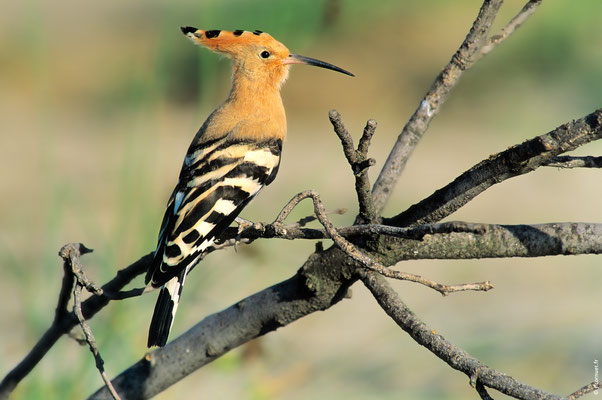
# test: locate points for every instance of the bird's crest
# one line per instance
(247, 47)
(230, 41)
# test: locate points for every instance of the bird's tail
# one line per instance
(165, 310)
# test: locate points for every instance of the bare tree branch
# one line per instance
(260, 230)
(359, 162)
(352, 251)
(439, 287)
(497, 241)
(429, 106)
(486, 241)
(71, 253)
(589, 388)
(482, 391)
(517, 160)
(312, 288)
(436, 241)
(513, 25)
(575, 162)
(91, 341)
(71, 257)
(320, 283)
(455, 357)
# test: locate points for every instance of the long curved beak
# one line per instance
(297, 59)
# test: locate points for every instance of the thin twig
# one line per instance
(364, 143)
(367, 262)
(575, 162)
(91, 340)
(482, 391)
(512, 26)
(67, 283)
(441, 288)
(72, 257)
(363, 187)
(288, 207)
(592, 387)
(80, 275)
(344, 136)
(359, 162)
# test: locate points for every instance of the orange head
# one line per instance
(256, 55)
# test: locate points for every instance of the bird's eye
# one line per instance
(265, 54)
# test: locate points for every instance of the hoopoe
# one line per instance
(234, 154)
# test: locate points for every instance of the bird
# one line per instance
(234, 154)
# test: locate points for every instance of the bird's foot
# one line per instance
(242, 225)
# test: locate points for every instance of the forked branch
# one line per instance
(352, 251)
(575, 162)
(71, 258)
(515, 23)
(359, 162)
(462, 60)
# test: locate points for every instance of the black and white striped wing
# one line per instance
(218, 180)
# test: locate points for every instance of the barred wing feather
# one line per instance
(217, 181)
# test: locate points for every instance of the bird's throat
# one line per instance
(257, 109)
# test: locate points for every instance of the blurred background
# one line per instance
(99, 101)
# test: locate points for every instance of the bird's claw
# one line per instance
(242, 225)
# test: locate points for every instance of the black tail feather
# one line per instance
(165, 310)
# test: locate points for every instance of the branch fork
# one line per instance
(71, 254)
(353, 252)
(359, 162)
